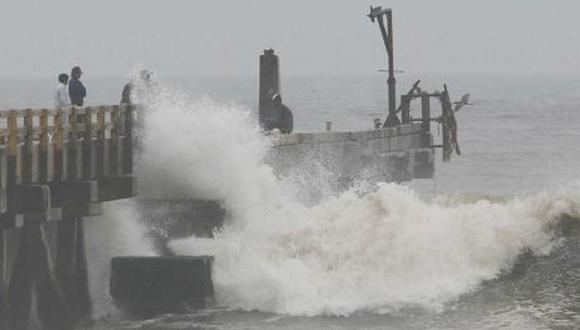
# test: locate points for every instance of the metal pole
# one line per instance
(391, 81)
(387, 34)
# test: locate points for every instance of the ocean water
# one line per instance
(492, 242)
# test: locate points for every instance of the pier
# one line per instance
(57, 167)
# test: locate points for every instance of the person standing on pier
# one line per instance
(280, 117)
(140, 89)
(76, 89)
(61, 97)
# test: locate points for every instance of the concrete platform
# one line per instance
(146, 286)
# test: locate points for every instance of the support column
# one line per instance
(426, 119)
(71, 267)
(34, 270)
(3, 281)
(406, 109)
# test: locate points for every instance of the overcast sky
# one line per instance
(110, 37)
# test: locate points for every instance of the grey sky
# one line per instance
(40, 37)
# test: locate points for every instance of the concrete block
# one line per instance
(70, 192)
(145, 286)
(82, 209)
(53, 214)
(28, 198)
(11, 221)
(115, 187)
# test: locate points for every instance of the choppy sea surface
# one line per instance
(492, 242)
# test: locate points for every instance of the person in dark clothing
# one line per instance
(143, 83)
(76, 90)
(126, 94)
(280, 117)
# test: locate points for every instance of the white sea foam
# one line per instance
(114, 233)
(379, 250)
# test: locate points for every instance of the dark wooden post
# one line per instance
(115, 150)
(73, 167)
(426, 118)
(88, 146)
(13, 168)
(59, 167)
(28, 148)
(33, 269)
(406, 109)
(3, 281)
(102, 159)
(425, 112)
(128, 140)
(43, 147)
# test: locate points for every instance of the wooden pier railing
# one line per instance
(57, 166)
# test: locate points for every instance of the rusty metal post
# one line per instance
(387, 34)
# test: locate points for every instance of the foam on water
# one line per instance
(377, 249)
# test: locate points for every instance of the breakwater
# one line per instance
(395, 154)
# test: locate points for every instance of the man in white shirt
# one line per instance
(61, 97)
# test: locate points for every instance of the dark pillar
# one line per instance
(3, 281)
(426, 118)
(405, 109)
(72, 267)
(33, 269)
(269, 81)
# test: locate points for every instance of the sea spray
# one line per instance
(380, 250)
(114, 233)
(377, 252)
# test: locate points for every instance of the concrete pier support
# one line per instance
(71, 268)
(33, 274)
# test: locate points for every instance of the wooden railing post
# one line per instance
(73, 146)
(13, 164)
(128, 141)
(43, 147)
(59, 155)
(102, 160)
(88, 146)
(115, 149)
(28, 150)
